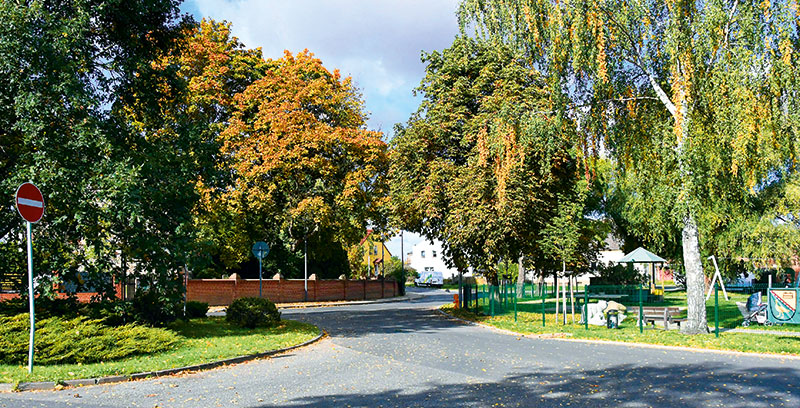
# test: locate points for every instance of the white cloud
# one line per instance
(378, 43)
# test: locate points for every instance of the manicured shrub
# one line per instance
(196, 309)
(110, 312)
(251, 312)
(156, 309)
(79, 340)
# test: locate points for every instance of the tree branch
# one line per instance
(637, 61)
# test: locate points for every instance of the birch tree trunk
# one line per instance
(695, 280)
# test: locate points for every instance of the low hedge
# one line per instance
(252, 312)
(196, 309)
(78, 340)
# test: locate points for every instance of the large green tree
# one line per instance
(697, 101)
(66, 68)
(482, 164)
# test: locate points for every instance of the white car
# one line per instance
(430, 278)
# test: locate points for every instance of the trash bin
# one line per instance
(612, 319)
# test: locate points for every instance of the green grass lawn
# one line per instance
(531, 323)
(201, 341)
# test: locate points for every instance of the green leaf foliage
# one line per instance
(68, 70)
(484, 164)
(697, 104)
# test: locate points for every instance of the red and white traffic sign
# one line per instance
(30, 202)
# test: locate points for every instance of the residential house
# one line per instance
(376, 255)
(426, 256)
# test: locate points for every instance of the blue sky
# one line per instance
(377, 42)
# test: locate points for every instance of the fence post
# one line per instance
(542, 311)
(586, 306)
(515, 304)
(716, 310)
(641, 317)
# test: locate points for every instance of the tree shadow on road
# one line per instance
(675, 385)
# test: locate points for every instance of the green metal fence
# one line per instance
(490, 300)
(646, 307)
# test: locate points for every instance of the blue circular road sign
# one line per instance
(260, 249)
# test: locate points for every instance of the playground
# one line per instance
(537, 311)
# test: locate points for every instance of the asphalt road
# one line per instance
(407, 355)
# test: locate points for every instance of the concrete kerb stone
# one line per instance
(566, 337)
(79, 382)
(404, 298)
(50, 385)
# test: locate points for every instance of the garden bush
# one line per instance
(156, 309)
(196, 309)
(78, 340)
(251, 312)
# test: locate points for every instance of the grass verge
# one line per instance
(200, 341)
(531, 323)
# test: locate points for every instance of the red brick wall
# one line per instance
(221, 292)
(84, 297)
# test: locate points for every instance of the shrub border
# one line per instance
(57, 385)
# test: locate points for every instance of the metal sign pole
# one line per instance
(259, 272)
(30, 299)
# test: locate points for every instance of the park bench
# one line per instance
(666, 315)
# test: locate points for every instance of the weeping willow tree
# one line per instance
(696, 101)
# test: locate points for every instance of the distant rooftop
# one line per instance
(612, 243)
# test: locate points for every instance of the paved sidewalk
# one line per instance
(757, 331)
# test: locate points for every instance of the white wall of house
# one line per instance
(427, 256)
(611, 257)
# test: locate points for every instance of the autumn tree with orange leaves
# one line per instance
(303, 165)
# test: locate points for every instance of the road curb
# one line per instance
(404, 298)
(50, 385)
(567, 337)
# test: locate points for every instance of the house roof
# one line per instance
(641, 255)
(369, 232)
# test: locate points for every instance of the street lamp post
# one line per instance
(305, 268)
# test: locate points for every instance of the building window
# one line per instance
(422, 254)
(375, 250)
(434, 254)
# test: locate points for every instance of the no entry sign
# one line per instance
(30, 202)
(30, 205)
